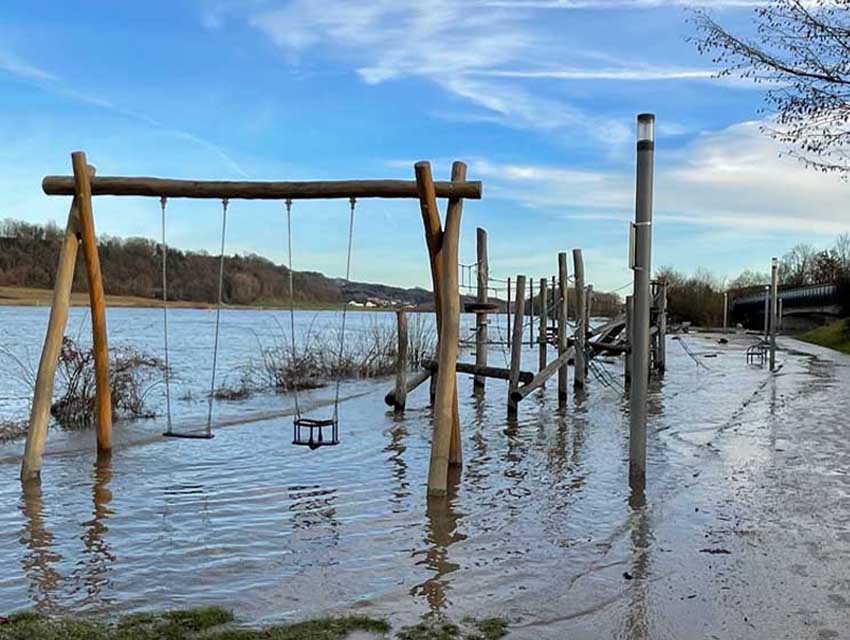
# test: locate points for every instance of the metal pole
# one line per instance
(725, 309)
(766, 311)
(774, 272)
(640, 331)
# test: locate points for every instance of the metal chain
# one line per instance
(163, 201)
(291, 302)
(353, 202)
(224, 203)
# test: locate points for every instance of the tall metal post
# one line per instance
(642, 267)
(766, 311)
(774, 282)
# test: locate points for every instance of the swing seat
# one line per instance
(311, 425)
(188, 436)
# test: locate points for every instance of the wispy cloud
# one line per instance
(17, 67)
(635, 74)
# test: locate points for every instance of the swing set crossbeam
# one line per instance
(250, 190)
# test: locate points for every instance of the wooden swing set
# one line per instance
(441, 240)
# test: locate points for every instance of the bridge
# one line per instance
(800, 307)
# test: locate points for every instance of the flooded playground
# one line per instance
(744, 532)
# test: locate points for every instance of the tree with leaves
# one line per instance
(800, 51)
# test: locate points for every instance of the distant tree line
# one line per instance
(698, 298)
(132, 267)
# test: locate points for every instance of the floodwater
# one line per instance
(745, 531)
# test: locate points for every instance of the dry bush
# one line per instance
(132, 375)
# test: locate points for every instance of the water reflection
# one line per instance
(98, 556)
(636, 625)
(442, 520)
(39, 560)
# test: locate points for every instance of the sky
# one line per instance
(538, 97)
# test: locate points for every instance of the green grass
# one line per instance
(214, 623)
(834, 336)
(208, 623)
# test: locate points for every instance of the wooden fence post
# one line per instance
(401, 361)
(662, 328)
(49, 361)
(541, 338)
(481, 320)
(97, 301)
(516, 344)
(561, 300)
(446, 397)
(455, 209)
(531, 312)
(509, 333)
(581, 329)
(588, 306)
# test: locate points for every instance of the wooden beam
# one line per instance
(541, 338)
(580, 365)
(445, 399)
(218, 189)
(486, 372)
(411, 383)
(516, 343)
(538, 381)
(454, 209)
(50, 351)
(97, 301)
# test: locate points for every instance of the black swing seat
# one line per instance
(188, 436)
(311, 425)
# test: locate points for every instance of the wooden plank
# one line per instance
(516, 343)
(446, 394)
(563, 286)
(481, 321)
(43, 393)
(411, 383)
(487, 372)
(537, 381)
(103, 394)
(401, 361)
(218, 189)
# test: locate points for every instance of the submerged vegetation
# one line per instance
(214, 623)
(834, 336)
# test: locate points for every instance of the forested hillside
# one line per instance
(132, 267)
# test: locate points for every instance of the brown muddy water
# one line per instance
(745, 532)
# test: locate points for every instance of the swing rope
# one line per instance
(344, 304)
(163, 201)
(224, 203)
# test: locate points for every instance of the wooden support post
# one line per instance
(588, 306)
(401, 361)
(554, 290)
(43, 396)
(97, 301)
(508, 315)
(779, 317)
(481, 320)
(541, 338)
(581, 329)
(434, 240)
(531, 312)
(454, 209)
(627, 363)
(561, 299)
(516, 343)
(766, 311)
(540, 379)
(661, 337)
(725, 310)
(446, 397)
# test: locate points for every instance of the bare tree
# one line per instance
(798, 265)
(800, 50)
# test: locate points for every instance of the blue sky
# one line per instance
(539, 97)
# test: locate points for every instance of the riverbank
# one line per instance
(832, 336)
(30, 297)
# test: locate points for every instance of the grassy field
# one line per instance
(834, 336)
(213, 623)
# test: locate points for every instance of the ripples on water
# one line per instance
(538, 526)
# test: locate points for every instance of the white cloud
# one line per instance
(628, 74)
(731, 179)
(20, 68)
